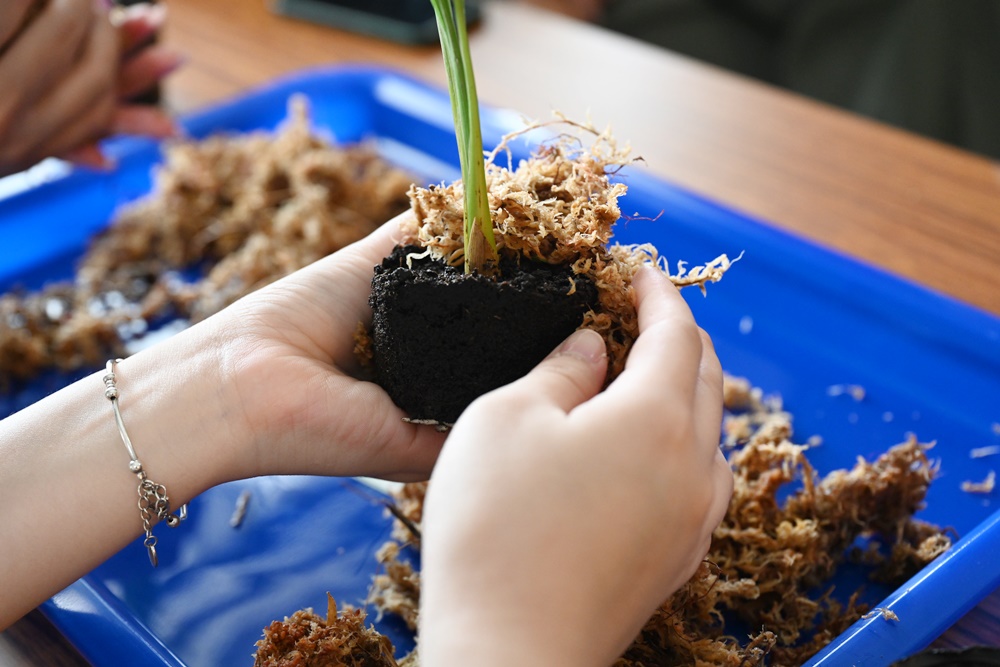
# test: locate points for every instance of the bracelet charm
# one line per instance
(154, 504)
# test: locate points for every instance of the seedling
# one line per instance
(480, 245)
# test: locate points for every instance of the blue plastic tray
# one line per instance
(794, 318)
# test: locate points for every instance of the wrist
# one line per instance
(464, 624)
(66, 448)
(182, 415)
(457, 640)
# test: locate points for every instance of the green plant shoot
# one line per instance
(480, 245)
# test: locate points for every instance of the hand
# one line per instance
(263, 387)
(289, 356)
(14, 16)
(557, 518)
(69, 74)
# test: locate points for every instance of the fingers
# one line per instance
(325, 301)
(664, 362)
(708, 396)
(89, 155)
(142, 120)
(723, 473)
(374, 247)
(63, 72)
(571, 375)
(81, 108)
(327, 423)
(82, 132)
(137, 24)
(46, 50)
(672, 383)
(657, 299)
(344, 278)
(142, 71)
(139, 120)
(14, 17)
(377, 441)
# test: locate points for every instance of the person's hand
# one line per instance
(14, 16)
(289, 355)
(558, 518)
(68, 76)
(263, 387)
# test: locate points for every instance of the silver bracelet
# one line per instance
(153, 500)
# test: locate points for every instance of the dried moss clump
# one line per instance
(558, 207)
(340, 640)
(769, 556)
(241, 211)
(397, 590)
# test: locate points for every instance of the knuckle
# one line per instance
(566, 369)
(690, 334)
(681, 334)
(505, 400)
(724, 472)
(709, 356)
(69, 18)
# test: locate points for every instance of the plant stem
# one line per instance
(480, 245)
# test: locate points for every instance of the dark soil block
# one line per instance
(442, 338)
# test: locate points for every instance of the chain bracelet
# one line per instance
(154, 504)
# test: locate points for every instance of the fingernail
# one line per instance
(585, 344)
(91, 157)
(152, 15)
(647, 272)
(161, 60)
(156, 15)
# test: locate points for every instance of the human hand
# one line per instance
(14, 16)
(263, 387)
(70, 75)
(557, 518)
(288, 352)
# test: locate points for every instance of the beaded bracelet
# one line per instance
(153, 500)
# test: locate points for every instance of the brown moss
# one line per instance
(769, 556)
(246, 210)
(340, 640)
(397, 590)
(558, 207)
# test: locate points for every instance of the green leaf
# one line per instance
(480, 244)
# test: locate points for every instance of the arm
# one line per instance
(558, 518)
(264, 387)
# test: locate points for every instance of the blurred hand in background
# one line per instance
(70, 70)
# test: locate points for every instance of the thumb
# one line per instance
(572, 374)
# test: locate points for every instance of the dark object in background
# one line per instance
(927, 66)
(976, 656)
(405, 21)
(441, 338)
(154, 95)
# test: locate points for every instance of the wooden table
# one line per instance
(914, 207)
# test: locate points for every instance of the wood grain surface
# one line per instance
(914, 207)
